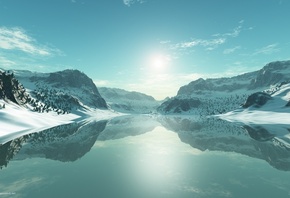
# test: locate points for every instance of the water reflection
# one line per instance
(267, 142)
(143, 156)
(72, 141)
(63, 143)
(125, 126)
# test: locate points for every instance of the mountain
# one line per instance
(61, 91)
(220, 95)
(128, 102)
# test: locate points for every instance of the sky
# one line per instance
(150, 46)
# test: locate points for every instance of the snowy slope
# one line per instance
(128, 102)
(31, 102)
(271, 107)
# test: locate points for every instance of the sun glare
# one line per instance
(159, 62)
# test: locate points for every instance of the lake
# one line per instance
(149, 157)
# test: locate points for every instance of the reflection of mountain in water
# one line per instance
(64, 143)
(72, 141)
(124, 126)
(9, 150)
(219, 135)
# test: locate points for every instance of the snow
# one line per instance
(16, 121)
(273, 112)
(257, 117)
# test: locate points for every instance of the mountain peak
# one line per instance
(71, 78)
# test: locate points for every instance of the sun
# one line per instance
(159, 62)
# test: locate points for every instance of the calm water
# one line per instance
(144, 157)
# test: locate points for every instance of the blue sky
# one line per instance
(151, 46)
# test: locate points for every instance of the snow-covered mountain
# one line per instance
(267, 142)
(128, 102)
(220, 95)
(62, 91)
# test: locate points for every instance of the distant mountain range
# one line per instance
(128, 102)
(69, 90)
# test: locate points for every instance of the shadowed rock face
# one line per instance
(257, 99)
(177, 105)
(78, 80)
(64, 90)
(11, 89)
(271, 74)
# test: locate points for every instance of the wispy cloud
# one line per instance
(101, 83)
(199, 42)
(269, 49)
(131, 2)
(235, 32)
(6, 63)
(208, 44)
(17, 39)
(231, 50)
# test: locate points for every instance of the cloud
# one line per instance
(131, 2)
(235, 32)
(17, 39)
(6, 63)
(200, 42)
(208, 44)
(101, 83)
(231, 50)
(269, 49)
(165, 42)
